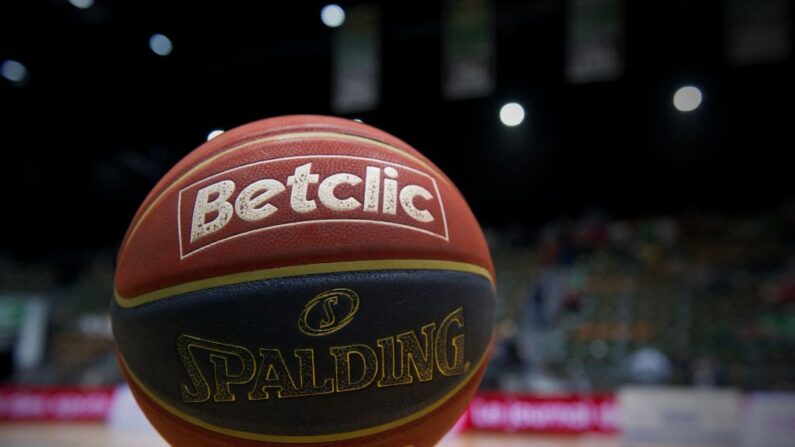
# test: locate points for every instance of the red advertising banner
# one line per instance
(55, 404)
(496, 412)
(530, 413)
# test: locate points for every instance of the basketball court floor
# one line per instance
(97, 435)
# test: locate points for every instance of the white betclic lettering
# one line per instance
(300, 182)
(326, 192)
(407, 195)
(252, 202)
(390, 191)
(204, 206)
(372, 186)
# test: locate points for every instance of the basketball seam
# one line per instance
(301, 270)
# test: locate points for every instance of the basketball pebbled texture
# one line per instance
(304, 280)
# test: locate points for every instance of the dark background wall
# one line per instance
(101, 117)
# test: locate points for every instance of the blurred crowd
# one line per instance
(591, 304)
(585, 305)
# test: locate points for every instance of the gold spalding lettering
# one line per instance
(273, 373)
(342, 364)
(410, 350)
(220, 353)
(356, 366)
(307, 377)
(388, 375)
(411, 353)
(442, 360)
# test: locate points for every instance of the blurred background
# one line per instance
(627, 160)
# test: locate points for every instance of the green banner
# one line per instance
(594, 40)
(12, 312)
(356, 63)
(757, 31)
(468, 54)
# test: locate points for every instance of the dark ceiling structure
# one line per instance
(100, 117)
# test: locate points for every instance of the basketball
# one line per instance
(304, 280)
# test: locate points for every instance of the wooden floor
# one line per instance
(92, 435)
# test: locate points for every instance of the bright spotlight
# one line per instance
(332, 15)
(512, 114)
(160, 44)
(14, 71)
(214, 134)
(687, 99)
(82, 4)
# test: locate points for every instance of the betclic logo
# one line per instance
(307, 190)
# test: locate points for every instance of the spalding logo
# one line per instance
(301, 190)
(319, 316)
